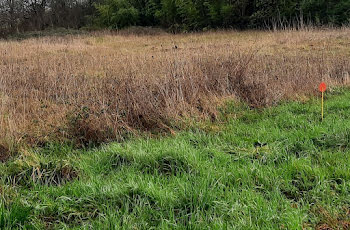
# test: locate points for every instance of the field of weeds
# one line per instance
(275, 168)
(103, 86)
(244, 145)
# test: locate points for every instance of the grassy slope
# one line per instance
(197, 179)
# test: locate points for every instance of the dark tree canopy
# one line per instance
(175, 15)
(30, 15)
(201, 14)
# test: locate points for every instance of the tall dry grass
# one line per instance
(93, 88)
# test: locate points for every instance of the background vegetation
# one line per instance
(175, 15)
(186, 15)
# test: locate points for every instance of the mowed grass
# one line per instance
(275, 168)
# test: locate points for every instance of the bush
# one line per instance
(117, 14)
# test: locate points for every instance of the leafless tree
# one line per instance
(23, 15)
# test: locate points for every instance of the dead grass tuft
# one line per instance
(50, 174)
(4, 154)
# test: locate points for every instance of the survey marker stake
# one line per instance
(322, 88)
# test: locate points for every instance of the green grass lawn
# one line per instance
(278, 168)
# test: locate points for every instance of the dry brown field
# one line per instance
(102, 86)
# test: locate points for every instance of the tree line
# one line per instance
(175, 15)
(18, 16)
